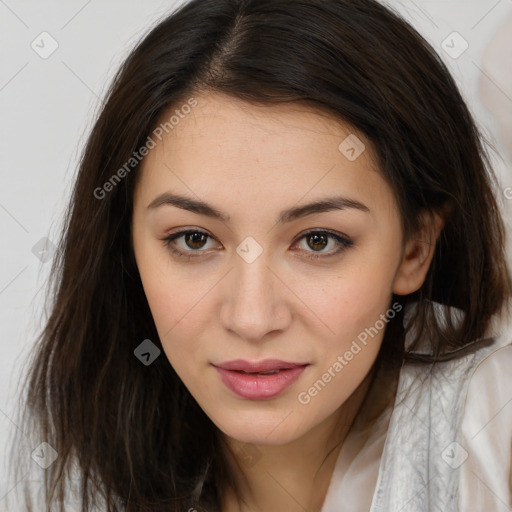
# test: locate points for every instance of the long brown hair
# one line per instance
(130, 436)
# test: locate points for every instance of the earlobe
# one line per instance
(418, 254)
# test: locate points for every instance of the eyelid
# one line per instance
(343, 241)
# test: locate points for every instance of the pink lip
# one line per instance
(259, 387)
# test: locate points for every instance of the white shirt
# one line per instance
(455, 432)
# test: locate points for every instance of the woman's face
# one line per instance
(264, 274)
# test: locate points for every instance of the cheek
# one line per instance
(178, 324)
(354, 312)
(175, 305)
(350, 303)
(171, 293)
(178, 318)
(354, 306)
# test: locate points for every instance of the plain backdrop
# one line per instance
(47, 107)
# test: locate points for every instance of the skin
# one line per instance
(251, 162)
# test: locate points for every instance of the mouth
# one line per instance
(269, 372)
(261, 367)
(260, 380)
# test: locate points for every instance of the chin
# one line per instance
(273, 428)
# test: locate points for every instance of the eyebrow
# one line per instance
(200, 207)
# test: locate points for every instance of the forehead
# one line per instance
(236, 152)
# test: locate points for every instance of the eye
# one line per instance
(195, 240)
(320, 239)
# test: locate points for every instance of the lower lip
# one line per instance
(259, 387)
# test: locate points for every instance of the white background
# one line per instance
(47, 107)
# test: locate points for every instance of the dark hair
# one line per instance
(133, 434)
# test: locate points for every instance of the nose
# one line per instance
(256, 301)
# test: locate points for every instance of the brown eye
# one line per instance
(317, 241)
(193, 242)
(195, 239)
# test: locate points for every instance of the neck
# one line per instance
(294, 476)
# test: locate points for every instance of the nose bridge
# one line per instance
(255, 303)
(254, 281)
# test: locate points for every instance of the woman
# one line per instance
(199, 354)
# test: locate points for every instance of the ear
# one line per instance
(417, 255)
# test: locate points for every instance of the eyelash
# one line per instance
(344, 243)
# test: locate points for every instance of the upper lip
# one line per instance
(258, 366)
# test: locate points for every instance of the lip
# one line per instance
(259, 387)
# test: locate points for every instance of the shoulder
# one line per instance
(488, 403)
(490, 381)
(486, 431)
